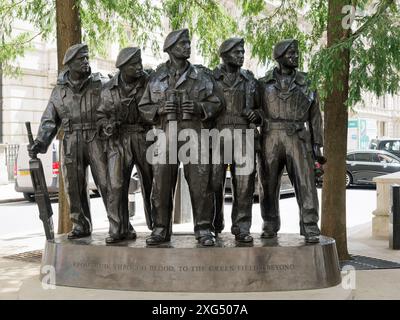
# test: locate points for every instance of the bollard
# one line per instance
(394, 221)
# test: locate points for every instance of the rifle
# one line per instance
(40, 187)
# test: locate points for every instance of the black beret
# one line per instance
(281, 47)
(173, 37)
(72, 51)
(125, 54)
(229, 44)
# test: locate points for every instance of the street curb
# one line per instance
(12, 200)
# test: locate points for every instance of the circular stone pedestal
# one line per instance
(286, 263)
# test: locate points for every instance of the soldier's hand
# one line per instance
(252, 116)
(109, 129)
(318, 154)
(189, 107)
(169, 107)
(33, 149)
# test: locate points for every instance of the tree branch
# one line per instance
(29, 40)
(11, 6)
(381, 9)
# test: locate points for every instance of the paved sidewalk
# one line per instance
(20, 280)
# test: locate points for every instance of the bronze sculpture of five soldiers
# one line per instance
(106, 122)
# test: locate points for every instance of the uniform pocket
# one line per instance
(67, 149)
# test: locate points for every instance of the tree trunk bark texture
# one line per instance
(68, 33)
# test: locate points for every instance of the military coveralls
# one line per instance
(126, 148)
(74, 109)
(241, 94)
(200, 88)
(293, 123)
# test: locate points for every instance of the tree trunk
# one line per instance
(68, 34)
(335, 147)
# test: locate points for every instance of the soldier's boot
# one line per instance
(77, 234)
(244, 237)
(131, 235)
(78, 231)
(312, 239)
(114, 239)
(158, 236)
(207, 241)
(205, 238)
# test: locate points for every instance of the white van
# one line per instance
(51, 168)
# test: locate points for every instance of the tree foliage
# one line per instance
(374, 42)
(102, 21)
(124, 21)
(39, 13)
(374, 48)
(207, 19)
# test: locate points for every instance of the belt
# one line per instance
(291, 127)
(130, 128)
(69, 127)
(229, 119)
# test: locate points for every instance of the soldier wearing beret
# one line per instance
(119, 121)
(292, 136)
(241, 95)
(185, 94)
(72, 106)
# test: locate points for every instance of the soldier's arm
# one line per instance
(148, 110)
(105, 111)
(213, 102)
(49, 125)
(257, 102)
(105, 115)
(316, 129)
(316, 126)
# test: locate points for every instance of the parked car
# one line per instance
(364, 165)
(391, 145)
(51, 168)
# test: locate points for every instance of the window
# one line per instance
(363, 157)
(391, 145)
(384, 158)
(350, 157)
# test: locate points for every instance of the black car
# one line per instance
(391, 145)
(364, 165)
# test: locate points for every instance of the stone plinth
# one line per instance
(281, 264)
(380, 221)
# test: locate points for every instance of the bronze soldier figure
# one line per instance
(241, 95)
(72, 106)
(119, 120)
(292, 135)
(182, 93)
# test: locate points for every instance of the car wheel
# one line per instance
(349, 179)
(29, 196)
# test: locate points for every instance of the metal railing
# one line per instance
(11, 156)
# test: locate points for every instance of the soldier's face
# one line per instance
(235, 56)
(181, 49)
(80, 63)
(133, 68)
(290, 58)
